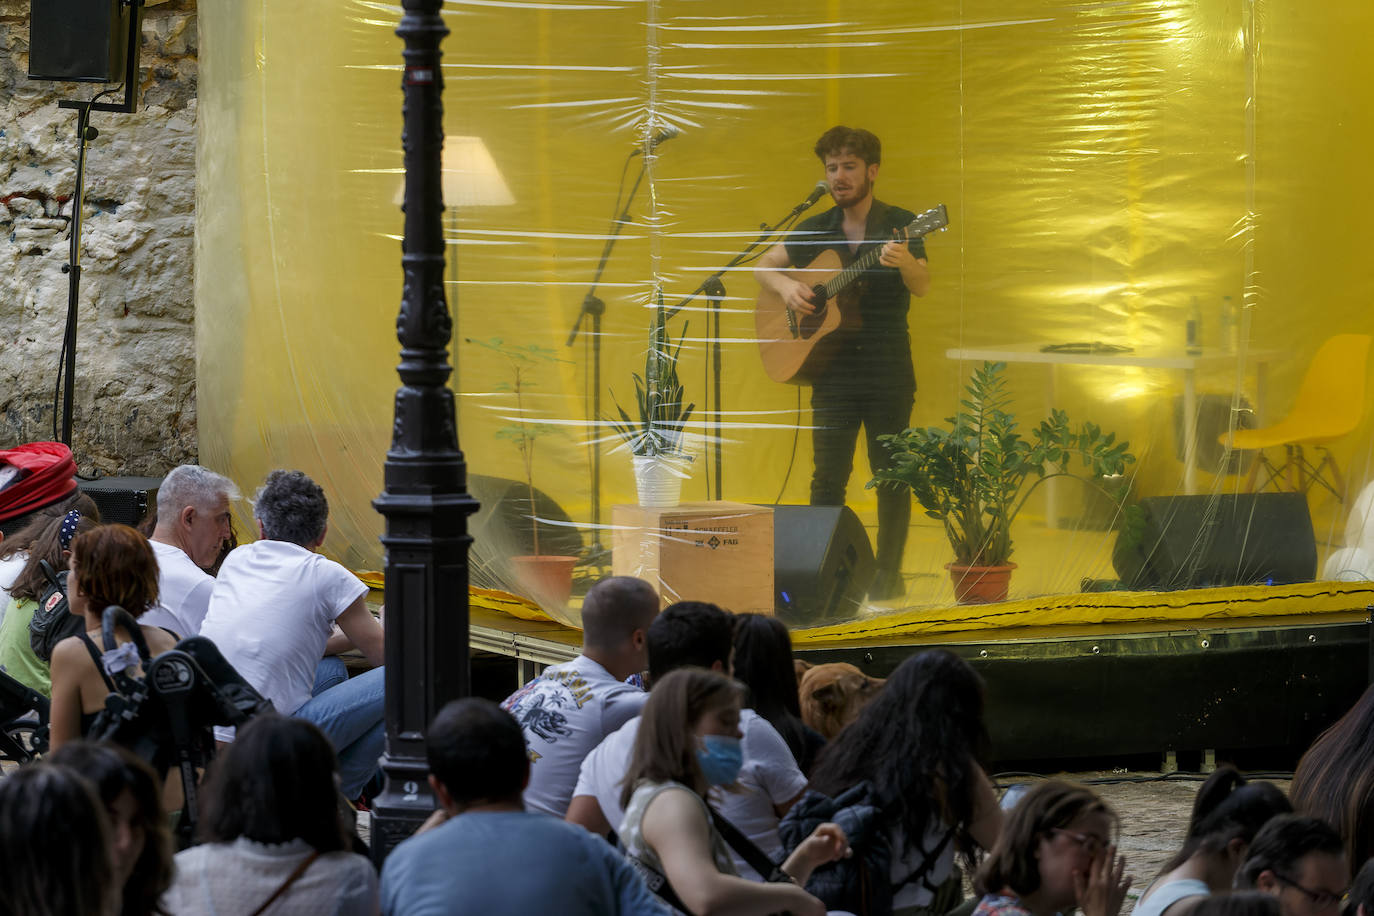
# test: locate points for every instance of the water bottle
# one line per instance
(1194, 330)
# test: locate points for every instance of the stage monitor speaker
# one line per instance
(122, 500)
(822, 562)
(1230, 539)
(78, 40)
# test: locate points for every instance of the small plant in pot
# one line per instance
(656, 438)
(547, 577)
(971, 476)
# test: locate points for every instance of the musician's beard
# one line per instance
(855, 195)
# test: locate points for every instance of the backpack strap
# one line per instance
(922, 872)
(655, 880)
(51, 575)
(749, 851)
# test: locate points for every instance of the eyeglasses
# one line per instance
(1091, 843)
(1322, 900)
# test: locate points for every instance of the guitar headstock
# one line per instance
(927, 222)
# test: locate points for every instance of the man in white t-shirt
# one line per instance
(699, 635)
(567, 710)
(193, 521)
(273, 609)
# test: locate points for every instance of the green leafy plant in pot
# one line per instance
(656, 437)
(971, 476)
(546, 577)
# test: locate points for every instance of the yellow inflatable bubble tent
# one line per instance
(1097, 269)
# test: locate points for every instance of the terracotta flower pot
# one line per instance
(546, 579)
(980, 584)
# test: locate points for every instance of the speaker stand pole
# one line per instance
(84, 134)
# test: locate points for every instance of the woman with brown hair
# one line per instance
(1335, 782)
(111, 565)
(46, 540)
(689, 745)
(1055, 853)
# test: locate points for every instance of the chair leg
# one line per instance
(1337, 489)
(1293, 467)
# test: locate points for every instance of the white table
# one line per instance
(1167, 360)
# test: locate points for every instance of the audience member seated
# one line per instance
(193, 520)
(1237, 903)
(1335, 779)
(141, 844)
(273, 832)
(16, 546)
(567, 710)
(1055, 853)
(489, 856)
(763, 664)
(687, 744)
(1301, 861)
(921, 744)
(1227, 813)
(55, 843)
(271, 614)
(110, 565)
(48, 538)
(698, 634)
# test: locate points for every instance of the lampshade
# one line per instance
(470, 175)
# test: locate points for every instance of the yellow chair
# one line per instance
(1329, 405)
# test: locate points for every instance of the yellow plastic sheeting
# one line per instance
(1102, 164)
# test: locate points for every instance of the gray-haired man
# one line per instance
(192, 524)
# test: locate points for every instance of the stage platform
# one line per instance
(1099, 675)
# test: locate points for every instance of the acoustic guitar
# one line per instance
(794, 345)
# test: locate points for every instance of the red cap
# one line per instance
(50, 475)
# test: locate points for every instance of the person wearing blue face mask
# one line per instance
(687, 747)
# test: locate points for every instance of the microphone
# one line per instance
(819, 191)
(662, 135)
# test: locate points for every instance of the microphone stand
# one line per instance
(592, 309)
(713, 288)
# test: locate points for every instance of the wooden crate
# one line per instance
(720, 552)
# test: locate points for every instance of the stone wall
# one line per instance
(135, 367)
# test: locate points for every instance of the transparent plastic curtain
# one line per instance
(1112, 173)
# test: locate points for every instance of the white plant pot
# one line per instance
(658, 478)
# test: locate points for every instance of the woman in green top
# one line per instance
(48, 539)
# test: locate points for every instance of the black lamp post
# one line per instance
(425, 501)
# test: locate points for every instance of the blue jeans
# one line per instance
(352, 716)
(331, 672)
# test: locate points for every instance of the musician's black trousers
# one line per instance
(837, 413)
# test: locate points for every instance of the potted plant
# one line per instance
(548, 577)
(971, 477)
(656, 439)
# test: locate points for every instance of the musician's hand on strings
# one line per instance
(799, 297)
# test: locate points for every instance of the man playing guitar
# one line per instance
(867, 378)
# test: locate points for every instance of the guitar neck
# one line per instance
(851, 273)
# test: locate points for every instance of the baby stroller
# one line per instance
(23, 721)
(167, 715)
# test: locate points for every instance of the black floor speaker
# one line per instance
(822, 563)
(78, 40)
(122, 500)
(1230, 539)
